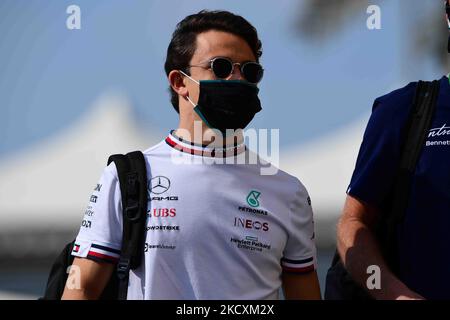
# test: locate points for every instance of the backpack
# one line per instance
(339, 283)
(132, 173)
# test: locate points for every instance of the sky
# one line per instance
(50, 75)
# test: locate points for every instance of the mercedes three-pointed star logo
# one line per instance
(159, 184)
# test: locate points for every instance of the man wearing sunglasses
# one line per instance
(215, 230)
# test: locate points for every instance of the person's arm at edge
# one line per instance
(88, 280)
(359, 249)
(301, 286)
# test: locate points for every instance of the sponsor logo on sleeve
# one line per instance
(89, 212)
(86, 224)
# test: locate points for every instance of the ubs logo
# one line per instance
(159, 185)
(162, 212)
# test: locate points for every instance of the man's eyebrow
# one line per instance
(207, 60)
(202, 62)
(221, 56)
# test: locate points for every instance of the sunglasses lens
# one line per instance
(253, 72)
(222, 68)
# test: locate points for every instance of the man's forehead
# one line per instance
(214, 43)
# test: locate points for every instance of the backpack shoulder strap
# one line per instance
(419, 123)
(131, 169)
(416, 131)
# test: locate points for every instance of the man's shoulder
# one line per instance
(149, 155)
(292, 180)
(398, 98)
(396, 105)
(155, 149)
(282, 179)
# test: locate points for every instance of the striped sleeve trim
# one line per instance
(298, 266)
(102, 253)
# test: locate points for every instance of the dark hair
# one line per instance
(183, 43)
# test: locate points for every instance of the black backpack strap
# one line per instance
(417, 128)
(132, 173)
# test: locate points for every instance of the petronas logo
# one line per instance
(252, 198)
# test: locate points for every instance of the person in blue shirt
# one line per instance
(422, 243)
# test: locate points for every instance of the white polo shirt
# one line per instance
(214, 231)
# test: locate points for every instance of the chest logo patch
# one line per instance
(439, 136)
(252, 198)
(159, 185)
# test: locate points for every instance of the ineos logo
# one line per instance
(251, 224)
(159, 184)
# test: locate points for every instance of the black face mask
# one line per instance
(227, 104)
(448, 45)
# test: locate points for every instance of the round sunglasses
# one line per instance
(223, 67)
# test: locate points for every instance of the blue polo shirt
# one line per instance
(424, 236)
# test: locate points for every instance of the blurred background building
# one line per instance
(70, 98)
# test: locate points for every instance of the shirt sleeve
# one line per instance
(379, 155)
(299, 255)
(100, 234)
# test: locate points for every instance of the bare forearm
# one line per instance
(75, 294)
(86, 291)
(87, 279)
(359, 249)
(301, 286)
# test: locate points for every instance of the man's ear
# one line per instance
(176, 81)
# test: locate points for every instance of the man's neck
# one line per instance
(206, 136)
